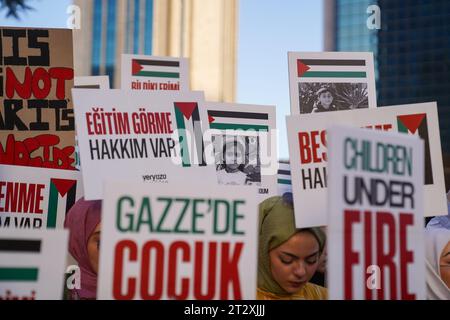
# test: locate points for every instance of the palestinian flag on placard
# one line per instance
(416, 124)
(284, 174)
(331, 68)
(190, 133)
(17, 273)
(60, 188)
(155, 68)
(237, 120)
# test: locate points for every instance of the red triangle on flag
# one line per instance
(186, 108)
(301, 68)
(412, 121)
(63, 185)
(211, 119)
(135, 67)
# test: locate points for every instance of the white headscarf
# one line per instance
(435, 240)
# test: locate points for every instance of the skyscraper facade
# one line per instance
(204, 31)
(411, 51)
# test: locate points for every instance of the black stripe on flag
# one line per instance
(20, 245)
(285, 172)
(158, 63)
(333, 62)
(242, 115)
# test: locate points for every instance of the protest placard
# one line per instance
(32, 264)
(375, 215)
(92, 82)
(141, 136)
(244, 141)
(178, 242)
(36, 114)
(151, 73)
(37, 198)
(331, 81)
(308, 154)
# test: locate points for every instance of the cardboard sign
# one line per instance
(37, 198)
(178, 242)
(331, 81)
(308, 154)
(244, 142)
(32, 264)
(141, 136)
(150, 73)
(375, 205)
(36, 114)
(284, 178)
(92, 82)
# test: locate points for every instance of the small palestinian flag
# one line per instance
(18, 273)
(284, 178)
(188, 121)
(331, 68)
(235, 120)
(60, 188)
(416, 124)
(155, 68)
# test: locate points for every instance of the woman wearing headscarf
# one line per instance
(83, 222)
(437, 252)
(288, 257)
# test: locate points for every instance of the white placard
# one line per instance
(179, 242)
(246, 136)
(308, 154)
(37, 198)
(141, 136)
(375, 215)
(32, 264)
(331, 81)
(151, 73)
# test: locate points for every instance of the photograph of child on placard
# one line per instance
(237, 160)
(323, 97)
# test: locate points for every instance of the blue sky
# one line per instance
(268, 29)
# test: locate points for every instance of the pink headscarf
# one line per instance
(81, 220)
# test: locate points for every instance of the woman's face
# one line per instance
(444, 265)
(294, 262)
(326, 98)
(93, 247)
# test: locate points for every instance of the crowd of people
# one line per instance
(291, 262)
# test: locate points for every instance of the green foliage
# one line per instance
(14, 7)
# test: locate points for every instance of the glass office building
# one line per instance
(411, 51)
(131, 27)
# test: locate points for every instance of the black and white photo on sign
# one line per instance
(237, 160)
(322, 97)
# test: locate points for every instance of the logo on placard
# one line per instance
(416, 124)
(188, 121)
(17, 273)
(60, 188)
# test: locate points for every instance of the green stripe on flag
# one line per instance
(18, 274)
(158, 74)
(52, 206)
(182, 137)
(401, 127)
(334, 74)
(236, 126)
(284, 181)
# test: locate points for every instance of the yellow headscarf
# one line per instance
(276, 225)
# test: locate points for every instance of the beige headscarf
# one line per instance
(276, 225)
(435, 240)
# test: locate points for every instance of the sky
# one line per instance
(268, 29)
